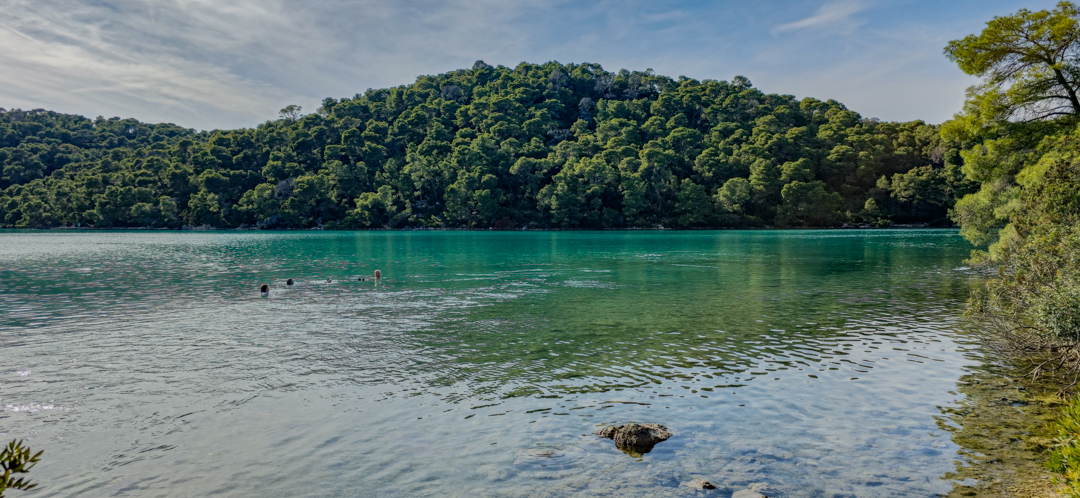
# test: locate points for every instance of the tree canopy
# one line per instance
(1027, 211)
(1022, 134)
(1031, 75)
(538, 145)
(1028, 63)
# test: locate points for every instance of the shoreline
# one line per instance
(1003, 426)
(448, 229)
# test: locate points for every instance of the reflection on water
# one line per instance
(805, 363)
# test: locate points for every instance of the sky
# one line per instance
(213, 64)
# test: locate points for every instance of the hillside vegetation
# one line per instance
(538, 146)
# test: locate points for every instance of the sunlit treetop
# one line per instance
(1029, 63)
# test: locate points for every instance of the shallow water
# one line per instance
(807, 363)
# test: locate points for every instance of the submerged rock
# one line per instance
(635, 439)
(747, 493)
(701, 484)
(764, 489)
(538, 453)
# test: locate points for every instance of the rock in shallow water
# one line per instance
(635, 439)
(701, 484)
(763, 488)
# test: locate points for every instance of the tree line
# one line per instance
(534, 146)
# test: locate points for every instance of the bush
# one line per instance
(16, 459)
(1065, 458)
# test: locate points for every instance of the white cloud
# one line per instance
(207, 64)
(88, 78)
(89, 60)
(214, 64)
(834, 16)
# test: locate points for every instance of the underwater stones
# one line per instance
(538, 453)
(748, 493)
(763, 489)
(701, 484)
(635, 439)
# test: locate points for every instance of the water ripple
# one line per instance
(482, 362)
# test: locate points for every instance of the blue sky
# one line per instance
(223, 64)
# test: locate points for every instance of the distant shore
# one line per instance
(922, 226)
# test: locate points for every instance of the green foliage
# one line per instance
(808, 204)
(1028, 65)
(1028, 62)
(16, 459)
(1028, 207)
(1065, 457)
(734, 195)
(1023, 146)
(1039, 250)
(538, 145)
(1035, 301)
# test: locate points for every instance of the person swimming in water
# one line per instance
(265, 289)
(289, 282)
(378, 274)
(328, 280)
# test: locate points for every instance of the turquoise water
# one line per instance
(801, 363)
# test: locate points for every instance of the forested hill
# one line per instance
(549, 145)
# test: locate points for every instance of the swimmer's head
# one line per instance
(264, 289)
(289, 282)
(378, 274)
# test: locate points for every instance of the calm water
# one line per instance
(808, 363)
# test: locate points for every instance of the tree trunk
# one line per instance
(1072, 93)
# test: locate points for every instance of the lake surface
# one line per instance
(805, 363)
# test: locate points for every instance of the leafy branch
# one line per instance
(16, 459)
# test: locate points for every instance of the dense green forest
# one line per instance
(536, 146)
